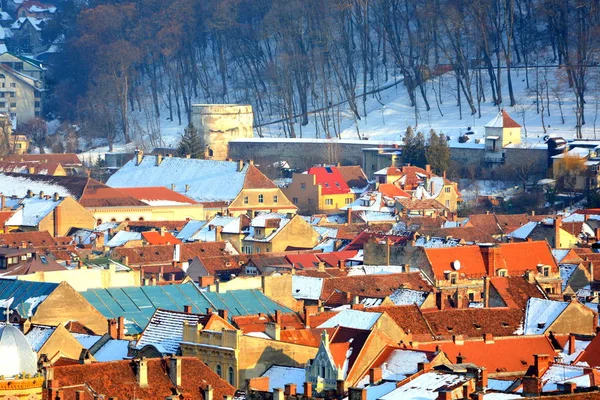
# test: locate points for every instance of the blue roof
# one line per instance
(26, 296)
(137, 304)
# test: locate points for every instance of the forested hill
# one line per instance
(129, 68)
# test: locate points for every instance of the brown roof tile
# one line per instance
(409, 318)
(163, 254)
(257, 180)
(474, 322)
(354, 176)
(67, 159)
(515, 291)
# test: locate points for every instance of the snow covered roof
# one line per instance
(122, 237)
(38, 335)
(18, 185)
(352, 319)
(35, 22)
(208, 232)
(524, 231)
(280, 375)
(426, 386)
(502, 120)
(305, 287)
(190, 229)
(405, 296)
(576, 152)
(85, 340)
(206, 180)
(112, 350)
(32, 211)
(540, 314)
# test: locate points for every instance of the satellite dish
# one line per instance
(456, 265)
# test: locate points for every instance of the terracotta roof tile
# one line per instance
(591, 354)
(34, 239)
(515, 291)
(392, 191)
(508, 122)
(163, 254)
(367, 236)
(156, 194)
(222, 264)
(305, 337)
(157, 238)
(500, 354)
(409, 318)
(354, 176)
(141, 226)
(257, 180)
(118, 379)
(378, 286)
(474, 322)
(258, 323)
(418, 204)
(4, 215)
(97, 194)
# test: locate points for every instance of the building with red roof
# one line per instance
(160, 237)
(320, 190)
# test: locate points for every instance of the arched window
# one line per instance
(231, 377)
(261, 198)
(99, 221)
(140, 218)
(218, 370)
(127, 219)
(210, 152)
(113, 220)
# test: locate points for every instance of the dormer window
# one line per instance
(502, 273)
(546, 271)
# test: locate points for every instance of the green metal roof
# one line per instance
(137, 304)
(23, 296)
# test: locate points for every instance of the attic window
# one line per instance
(505, 324)
(449, 328)
(541, 325)
(477, 326)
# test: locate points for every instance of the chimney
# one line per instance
(458, 340)
(428, 168)
(349, 215)
(342, 265)
(532, 386)
(2, 202)
(240, 165)
(439, 300)
(278, 316)
(223, 314)
(488, 338)
(307, 386)
(486, 291)
(29, 193)
(55, 196)
(112, 328)
(121, 328)
(597, 231)
(208, 393)
(175, 371)
(142, 372)
(187, 309)
(340, 390)
(321, 266)
(57, 220)
(172, 186)
(290, 389)
(79, 395)
(139, 156)
(490, 256)
(557, 227)
(218, 231)
(41, 194)
(444, 394)
(460, 358)
(571, 344)
(375, 376)
(570, 387)
(187, 188)
(482, 380)
(159, 159)
(306, 317)
(209, 310)
(541, 363)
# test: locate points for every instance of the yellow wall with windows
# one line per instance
(148, 213)
(296, 233)
(252, 201)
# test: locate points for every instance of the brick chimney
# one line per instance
(307, 386)
(121, 328)
(532, 386)
(57, 220)
(278, 316)
(439, 300)
(278, 394)
(375, 376)
(349, 215)
(223, 314)
(139, 156)
(482, 380)
(159, 159)
(187, 309)
(112, 328)
(570, 387)
(340, 390)
(486, 291)
(290, 389)
(572, 343)
(444, 394)
(490, 254)
(541, 363)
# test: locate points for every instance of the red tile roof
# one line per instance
(5, 215)
(156, 238)
(258, 322)
(257, 180)
(474, 322)
(342, 340)
(378, 286)
(354, 176)
(96, 194)
(444, 259)
(591, 354)
(34, 239)
(330, 179)
(410, 319)
(163, 254)
(500, 354)
(333, 259)
(303, 261)
(508, 122)
(158, 193)
(391, 190)
(304, 337)
(366, 236)
(140, 226)
(117, 379)
(515, 291)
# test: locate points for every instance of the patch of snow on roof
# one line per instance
(190, 229)
(425, 386)
(38, 335)
(306, 287)
(32, 211)
(405, 296)
(352, 319)
(561, 373)
(540, 314)
(18, 186)
(112, 350)
(279, 376)
(524, 231)
(122, 237)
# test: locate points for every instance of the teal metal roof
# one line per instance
(137, 304)
(26, 296)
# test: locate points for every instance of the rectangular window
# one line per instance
(328, 202)
(546, 271)
(471, 296)
(13, 105)
(303, 186)
(275, 199)
(295, 200)
(13, 84)
(447, 190)
(447, 203)
(13, 94)
(37, 104)
(2, 94)
(453, 279)
(37, 113)
(2, 104)
(261, 198)
(348, 200)
(19, 66)
(246, 200)
(257, 250)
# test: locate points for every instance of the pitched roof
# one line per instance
(444, 259)
(24, 296)
(392, 191)
(496, 354)
(158, 196)
(31, 211)
(35, 239)
(67, 159)
(96, 194)
(29, 167)
(352, 319)
(591, 354)
(117, 379)
(165, 329)
(4, 215)
(164, 254)
(474, 322)
(258, 322)
(502, 120)
(409, 318)
(354, 176)
(34, 264)
(515, 291)
(418, 204)
(158, 238)
(17, 184)
(540, 314)
(378, 286)
(137, 304)
(330, 179)
(204, 178)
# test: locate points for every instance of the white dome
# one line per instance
(16, 355)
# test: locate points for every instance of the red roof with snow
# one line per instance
(157, 194)
(330, 179)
